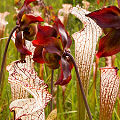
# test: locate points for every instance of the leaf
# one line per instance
(109, 44)
(3, 23)
(65, 38)
(17, 91)
(107, 17)
(29, 80)
(52, 115)
(64, 13)
(85, 45)
(109, 87)
(65, 74)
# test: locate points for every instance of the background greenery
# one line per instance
(66, 101)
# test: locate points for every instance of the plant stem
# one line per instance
(51, 103)
(80, 84)
(14, 115)
(5, 52)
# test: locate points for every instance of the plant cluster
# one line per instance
(52, 47)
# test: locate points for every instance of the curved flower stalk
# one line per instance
(3, 24)
(109, 87)
(85, 45)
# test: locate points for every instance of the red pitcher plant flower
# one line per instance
(50, 45)
(28, 24)
(108, 19)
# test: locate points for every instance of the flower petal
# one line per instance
(37, 57)
(54, 46)
(107, 17)
(19, 43)
(47, 31)
(51, 59)
(65, 75)
(30, 32)
(28, 19)
(109, 44)
(65, 38)
(44, 32)
(27, 2)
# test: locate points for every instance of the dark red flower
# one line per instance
(28, 24)
(108, 19)
(29, 28)
(109, 44)
(53, 48)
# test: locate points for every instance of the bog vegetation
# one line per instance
(59, 59)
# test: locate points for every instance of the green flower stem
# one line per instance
(5, 52)
(80, 84)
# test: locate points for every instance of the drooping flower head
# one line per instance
(108, 19)
(50, 45)
(28, 24)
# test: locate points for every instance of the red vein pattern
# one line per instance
(27, 104)
(85, 44)
(22, 76)
(109, 87)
